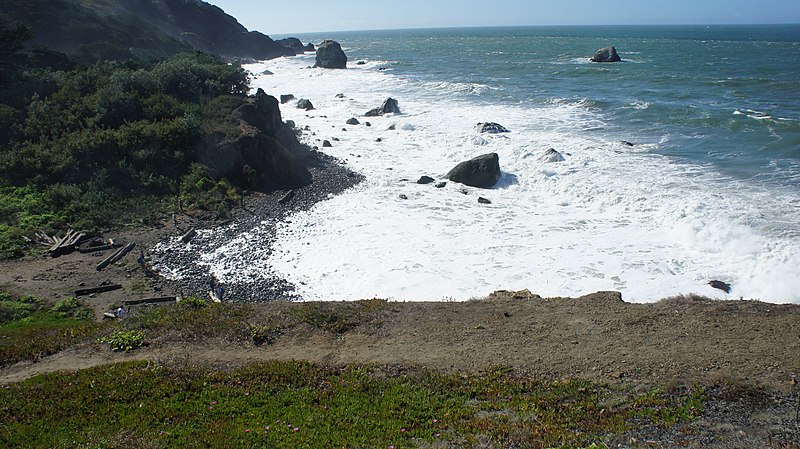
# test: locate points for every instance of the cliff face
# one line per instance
(121, 29)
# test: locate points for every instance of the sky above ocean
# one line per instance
(344, 15)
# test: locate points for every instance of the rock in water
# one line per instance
(305, 104)
(330, 55)
(492, 128)
(389, 106)
(425, 180)
(286, 98)
(551, 155)
(719, 285)
(607, 54)
(353, 121)
(482, 171)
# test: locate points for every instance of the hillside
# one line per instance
(92, 30)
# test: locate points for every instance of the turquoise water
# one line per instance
(726, 97)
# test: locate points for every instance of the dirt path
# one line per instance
(597, 337)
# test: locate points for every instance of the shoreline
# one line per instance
(262, 212)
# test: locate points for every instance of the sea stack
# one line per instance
(330, 55)
(607, 54)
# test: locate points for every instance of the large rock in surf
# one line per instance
(330, 55)
(492, 128)
(551, 155)
(257, 149)
(607, 54)
(388, 107)
(305, 104)
(482, 172)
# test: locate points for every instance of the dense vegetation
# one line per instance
(103, 145)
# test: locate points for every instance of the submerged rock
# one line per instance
(389, 106)
(492, 128)
(483, 200)
(482, 171)
(607, 54)
(330, 55)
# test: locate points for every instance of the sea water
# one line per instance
(710, 188)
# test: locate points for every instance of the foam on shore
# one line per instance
(609, 217)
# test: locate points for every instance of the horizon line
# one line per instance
(539, 26)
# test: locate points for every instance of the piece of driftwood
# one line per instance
(66, 244)
(286, 198)
(116, 256)
(186, 238)
(136, 302)
(100, 289)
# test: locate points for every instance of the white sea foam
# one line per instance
(608, 217)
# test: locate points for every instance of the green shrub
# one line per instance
(124, 341)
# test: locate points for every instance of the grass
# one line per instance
(302, 405)
(29, 329)
(178, 403)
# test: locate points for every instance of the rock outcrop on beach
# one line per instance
(492, 128)
(305, 104)
(295, 45)
(258, 149)
(482, 172)
(330, 55)
(606, 54)
(389, 106)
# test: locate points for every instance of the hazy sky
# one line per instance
(282, 17)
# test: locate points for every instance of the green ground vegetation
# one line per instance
(180, 403)
(105, 145)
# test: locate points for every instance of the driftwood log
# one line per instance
(136, 302)
(100, 289)
(116, 256)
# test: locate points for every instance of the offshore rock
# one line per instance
(389, 106)
(551, 155)
(492, 128)
(482, 172)
(607, 54)
(353, 121)
(295, 45)
(330, 55)
(425, 180)
(286, 98)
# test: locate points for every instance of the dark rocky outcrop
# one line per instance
(482, 171)
(295, 45)
(330, 55)
(326, 144)
(492, 128)
(257, 149)
(719, 285)
(353, 121)
(305, 104)
(425, 180)
(286, 98)
(483, 200)
(389, 106)
(607, 54)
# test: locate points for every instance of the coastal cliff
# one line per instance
(138, 29)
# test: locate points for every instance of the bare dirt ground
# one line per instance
(746, 353)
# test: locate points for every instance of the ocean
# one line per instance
(709, 190)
